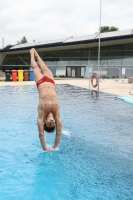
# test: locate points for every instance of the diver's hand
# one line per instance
(48, 149)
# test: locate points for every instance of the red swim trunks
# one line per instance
(44, 79)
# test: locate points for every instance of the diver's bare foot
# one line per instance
(32, 51)
(35, 54)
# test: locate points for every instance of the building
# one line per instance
(77, 56)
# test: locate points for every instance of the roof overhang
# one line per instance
(74, 46)
(89, 41)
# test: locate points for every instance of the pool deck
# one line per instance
(118, 87)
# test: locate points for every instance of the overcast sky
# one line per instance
(42, 20)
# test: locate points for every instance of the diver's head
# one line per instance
(49, 124)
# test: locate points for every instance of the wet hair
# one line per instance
(49, 130)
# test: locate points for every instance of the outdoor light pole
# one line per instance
(99, 45)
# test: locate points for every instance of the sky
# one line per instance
(43, 20)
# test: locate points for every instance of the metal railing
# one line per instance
(93, 70)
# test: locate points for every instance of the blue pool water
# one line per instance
(94, 160)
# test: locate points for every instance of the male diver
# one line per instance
(48, 106)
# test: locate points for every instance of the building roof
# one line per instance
(108, 36)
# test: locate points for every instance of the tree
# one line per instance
(24, 40)
(108, 29)
(7, 46)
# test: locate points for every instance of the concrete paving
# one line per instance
(118, 87)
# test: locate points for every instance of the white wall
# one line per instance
(61, 71)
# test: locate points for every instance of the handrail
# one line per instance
(115, 68)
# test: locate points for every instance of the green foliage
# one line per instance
(108, 29)
(24, 40)
(9, 45)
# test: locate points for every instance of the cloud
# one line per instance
(47, 20)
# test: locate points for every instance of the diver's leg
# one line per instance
(43, 66)
(37, 74)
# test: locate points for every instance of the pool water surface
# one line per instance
(94, 160)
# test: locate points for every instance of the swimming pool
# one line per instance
(95, 156)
